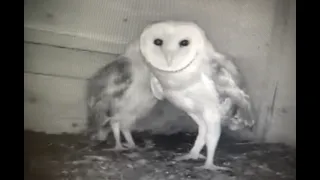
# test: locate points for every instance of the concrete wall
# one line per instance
(66, 41)
(278, 108)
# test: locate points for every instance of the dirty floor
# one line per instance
(62, 157)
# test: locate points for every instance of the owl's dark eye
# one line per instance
(184, 43)
(158, 42)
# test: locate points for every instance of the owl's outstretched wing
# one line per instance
(229, 84)
(241, 112)
(225, 75)
(227, 63)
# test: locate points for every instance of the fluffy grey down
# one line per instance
(118, 95)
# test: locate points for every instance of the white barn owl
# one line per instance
(118, 95)
(187, 71)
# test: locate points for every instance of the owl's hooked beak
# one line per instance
(169, 58)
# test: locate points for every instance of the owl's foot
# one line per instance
(192, 156)
(130, 146)
(213, 167)
(117, 148)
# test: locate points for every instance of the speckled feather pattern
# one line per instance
(230, 85)
(120, 91)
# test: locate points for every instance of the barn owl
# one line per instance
(185, 70)
(118, 95)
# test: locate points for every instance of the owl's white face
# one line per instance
(171, 45)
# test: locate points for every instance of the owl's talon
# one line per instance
(213, 167)
(190, 156)
(117, 148)
(130, 146)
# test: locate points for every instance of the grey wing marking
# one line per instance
(228, 86)
(108, 84)
(113, 79)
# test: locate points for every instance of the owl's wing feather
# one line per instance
(228, 88)
(229, 82)
(156, 88)
(215, 57)
(226, 85)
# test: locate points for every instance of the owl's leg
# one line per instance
(116, 133)
(199, 143)
(213, 124)
(128, 136)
